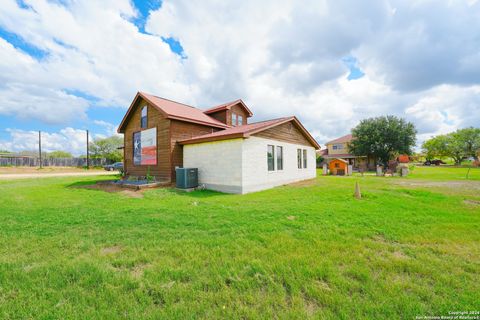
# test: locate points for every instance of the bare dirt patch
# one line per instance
(472, 202)
(442, 184)
(138, 270)
(112, 188)
(110, 250)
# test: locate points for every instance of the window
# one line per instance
(337, 165)
(234, 119)
(271, 157)
(143, 120)
(337, 146)
(299, 158)
(279, 158)
(239, 120)
(304, 158)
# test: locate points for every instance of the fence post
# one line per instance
(40, 147)
(88, 160)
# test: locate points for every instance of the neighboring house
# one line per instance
(338, 149)
(231, 154)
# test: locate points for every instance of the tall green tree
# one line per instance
(469, 138)
(383, 137)
(107, 148)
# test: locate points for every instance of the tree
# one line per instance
(469, 138)
(435, 147)
(383, 138)
(457, 145)
(107, 148)
(59, 154)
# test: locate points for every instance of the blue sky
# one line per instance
(76, 66)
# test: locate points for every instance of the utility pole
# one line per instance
(40, 147)
(88, 161)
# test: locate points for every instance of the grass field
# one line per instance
(410, 247)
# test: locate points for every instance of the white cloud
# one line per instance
(68, 139)
(421, 59)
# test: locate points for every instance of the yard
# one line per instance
(410, 247)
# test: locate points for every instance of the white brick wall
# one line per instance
(219, 164)
(255, 170)
(240, 165)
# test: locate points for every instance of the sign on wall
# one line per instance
(145, 147)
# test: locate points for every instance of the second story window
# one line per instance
(143, 119)
(337, 146)
(234, 119)
(239, 120)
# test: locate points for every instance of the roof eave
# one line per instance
(210, 139)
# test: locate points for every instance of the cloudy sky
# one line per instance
(67, 66)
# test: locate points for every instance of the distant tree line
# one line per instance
(458, 145)
(106, 148)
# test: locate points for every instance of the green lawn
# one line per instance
(410, 247)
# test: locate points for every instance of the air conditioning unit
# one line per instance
(187, 178)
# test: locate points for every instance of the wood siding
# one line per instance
(161, 171)
(220, 116)
(180, 130)
(238, 110)
(287, 132)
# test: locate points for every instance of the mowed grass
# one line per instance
(308, 250)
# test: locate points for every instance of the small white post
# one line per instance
(325, 169)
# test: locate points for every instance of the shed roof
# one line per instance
(174, 110)
(246, 130)
(341, 160)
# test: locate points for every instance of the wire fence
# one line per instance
(16, 161)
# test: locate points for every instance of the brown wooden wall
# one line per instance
(161, 171)
(238, 110)
(220, 116)
(180, 130)
(287, 132)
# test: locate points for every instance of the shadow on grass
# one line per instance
(196, 193)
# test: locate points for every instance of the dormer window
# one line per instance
(237, 120)
(143, 119)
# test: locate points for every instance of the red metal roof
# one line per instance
(228, 105)
(175, 110)
(246, 130)
(346, 138)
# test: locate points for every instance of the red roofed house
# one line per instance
(231, 154)
(338, 149)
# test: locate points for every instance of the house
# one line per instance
(338, 149)
(231, 154)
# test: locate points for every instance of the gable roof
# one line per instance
(247, 130)
(346, 138)
(173, 110)
(339, 159)
(227, 106)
